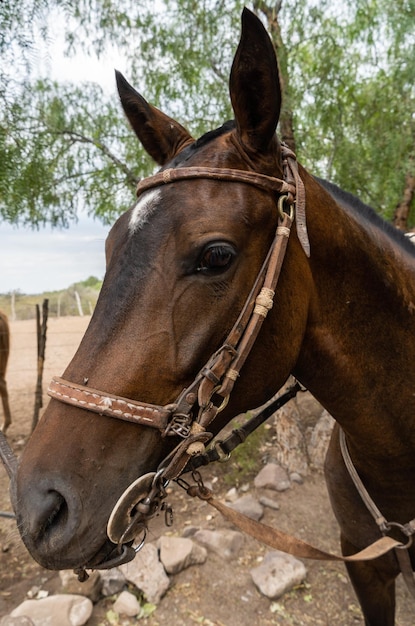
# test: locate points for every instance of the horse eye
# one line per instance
(216, 258)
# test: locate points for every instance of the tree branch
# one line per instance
(78, 137)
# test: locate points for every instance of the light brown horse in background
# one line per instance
(4, 357)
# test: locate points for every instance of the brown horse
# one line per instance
(180, 268)
(4, 357)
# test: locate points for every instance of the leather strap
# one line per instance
(110, 405)
(407, 530)
(280, 540)
(222, 449)
(7, 456)
(291, 174)
(291, 185)
(405, 566)
(172, 175)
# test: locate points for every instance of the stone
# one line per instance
(178, 553)
(59, 610)
(127, 604)
(113, 581)
(147, 573)
(272, 476)
(22, 620)
(36, 593)
(190, 531)
(269, 503)
(91, 588)
(225, 543)
(249, 506)
(277, 574)
(231, 495)
(296, 478)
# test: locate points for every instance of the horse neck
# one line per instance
(357, 348)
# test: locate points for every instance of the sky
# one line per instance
(34, 261)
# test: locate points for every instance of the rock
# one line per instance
(269, 502)
(36, 593)
(190, 531)
(278, 573)
(296, 478)
(59, 610)
(127, 604)
(113, 581)
(147, 573)
(225, 543)
(249, 506)
(91, 588)
(8, 620)
(177, 553)
(231, 495)
(272, 476)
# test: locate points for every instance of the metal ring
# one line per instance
(223, 456)
(224, 402)
(142, 542)
(282, 213)
(404, 531)
(157, 477)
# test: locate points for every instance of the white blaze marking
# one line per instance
(145, 206)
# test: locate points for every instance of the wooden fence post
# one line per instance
(41, 346)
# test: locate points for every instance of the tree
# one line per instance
(347, 74)
(59, 152)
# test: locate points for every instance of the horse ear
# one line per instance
(254, 86)
(160, 135)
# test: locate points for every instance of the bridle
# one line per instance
(213, 385)
(209, 392)
(197, 406)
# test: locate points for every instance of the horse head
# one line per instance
(181, 264)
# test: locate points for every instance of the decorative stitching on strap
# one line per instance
(106, 404)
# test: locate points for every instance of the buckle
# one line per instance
(180, 425)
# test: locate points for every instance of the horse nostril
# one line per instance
(51, 516)
(54, 514)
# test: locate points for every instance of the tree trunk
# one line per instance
(286, 117)
(403, 209)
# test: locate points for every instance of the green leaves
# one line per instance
(354, 96)
(65, 148)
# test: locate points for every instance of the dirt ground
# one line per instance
(218, 593)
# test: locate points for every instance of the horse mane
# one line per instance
(212, 134)
(362, 210)
(185, 154)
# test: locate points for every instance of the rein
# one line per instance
(408, 530)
